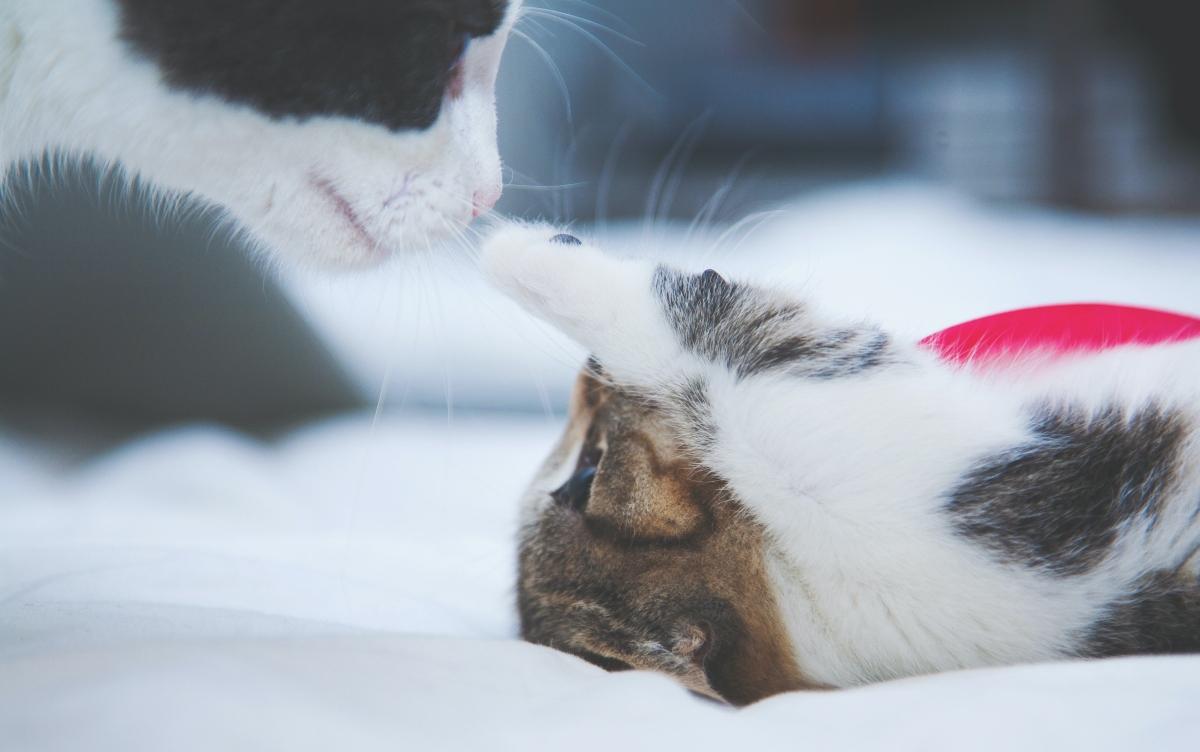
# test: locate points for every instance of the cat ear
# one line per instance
(639, 495)
(690, 648)
(693, 643)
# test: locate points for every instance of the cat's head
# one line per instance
(631, 557)
(335, 131)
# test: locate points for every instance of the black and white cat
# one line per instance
(334, 131)
(754, 498)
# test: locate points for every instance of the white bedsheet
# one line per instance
(350, 587)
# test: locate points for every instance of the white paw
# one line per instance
(521, 261)
(604, 303)
(554, 275)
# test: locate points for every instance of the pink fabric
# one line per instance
(1060, 330)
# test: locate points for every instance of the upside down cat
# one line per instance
(752, 498)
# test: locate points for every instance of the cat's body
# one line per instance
(333, 131)
(894, 514)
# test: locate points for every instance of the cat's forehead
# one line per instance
(386, 62)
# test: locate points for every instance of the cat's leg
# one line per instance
(651, 325)
(820, 425)
(604, 303)
(930, 518)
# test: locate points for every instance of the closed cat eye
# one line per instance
(575, 493)
(608, 664)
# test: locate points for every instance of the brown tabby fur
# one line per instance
(662, 570)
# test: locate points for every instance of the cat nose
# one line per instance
(484, 200)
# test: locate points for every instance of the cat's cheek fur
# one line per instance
(329, 191)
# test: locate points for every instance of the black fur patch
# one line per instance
(690, 402)
(1161, 616)
(381, 61)
(1060, 501)
(739, 326)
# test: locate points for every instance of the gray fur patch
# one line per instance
(691, 404)
(1060, 501)
(1161, 616)
(749, 333)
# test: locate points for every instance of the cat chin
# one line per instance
(351, 195)
(323, 191)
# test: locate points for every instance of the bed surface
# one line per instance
(349, 586)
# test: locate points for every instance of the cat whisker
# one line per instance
(532, 183)
(708, 211)
(580, 21)
(563, 187)
(746, 225)
(552, 66)
(518, 174)
(530, 180)
(465, 242)
(607, 171)
(691, 141)
(607, 14)
(663, 187)
(600, 45)
(745, 13)
(564, 208)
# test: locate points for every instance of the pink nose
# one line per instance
(485, 200)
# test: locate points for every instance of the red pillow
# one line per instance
(1060, 330)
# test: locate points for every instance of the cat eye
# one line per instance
(574, 494)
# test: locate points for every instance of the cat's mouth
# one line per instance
(344, 209)
(378, 246)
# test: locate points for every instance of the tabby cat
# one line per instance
(753, 498)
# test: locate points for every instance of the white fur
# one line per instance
(850, 476)
(68, 84)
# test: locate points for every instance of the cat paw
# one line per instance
(604, 303)
(554, 275)
(531, 264)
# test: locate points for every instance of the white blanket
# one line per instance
(351, 586)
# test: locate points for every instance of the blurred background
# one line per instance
(863, 135)
(1081, 104)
